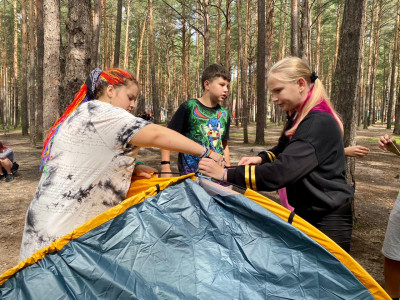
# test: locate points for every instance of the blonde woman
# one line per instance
(312, 164)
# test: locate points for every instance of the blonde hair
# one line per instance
(290, 70)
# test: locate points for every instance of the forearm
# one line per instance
(165, 158)
(227, 155)
(158, 136)
(294, 163)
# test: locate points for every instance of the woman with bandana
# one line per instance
(89, 156)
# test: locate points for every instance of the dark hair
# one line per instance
(213, 71)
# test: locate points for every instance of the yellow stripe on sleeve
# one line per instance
(253, 177)
(247, 176)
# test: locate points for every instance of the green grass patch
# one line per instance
(376, 139)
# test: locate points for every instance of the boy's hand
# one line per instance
(145, 171)
(252, 160)
(167, 169)
(218, 158)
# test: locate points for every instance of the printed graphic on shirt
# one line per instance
(206, 126)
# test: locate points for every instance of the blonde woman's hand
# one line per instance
(211, 168)
(251, 160)
(145, 171)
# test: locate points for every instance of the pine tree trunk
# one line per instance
(375, 60)
(106, 57)
(51, 64)
(260, 119)
(283, 30)
(15, 68)
(206, 12)
(339, 8)
(154, 88)
(31, 72)
(227, 101)
(24, 65)
(126, 51)
(95, 60)
(218, 25)
(393, 79)
(367, 103)
(40, 70)
(78, 56)
(243, 67)
(294, 35)
(317, 62)
(345, 83)
(305, 26)
(118, 34)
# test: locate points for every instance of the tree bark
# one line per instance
(375, 60)
(40, 70)
(31, 72)
(154, 88)
(282, 34)
(126, 51)
(15, 68)
(393, 79)
(367, 100)
(95, 61)
(260, 125)
(51, 65)
(227, 101)
(294, 36)
(218, 48)
(106, 57)
(347, 75)
(24, 65)
(339, 8)
(78, 57)
(118, 34)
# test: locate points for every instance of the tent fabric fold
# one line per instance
(183, 243)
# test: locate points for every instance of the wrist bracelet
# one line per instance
(138, 162)
(165, 162)
(223, 174)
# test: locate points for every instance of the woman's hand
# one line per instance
(144, 171)
(356, 151)
(211, 168)
(251, 160)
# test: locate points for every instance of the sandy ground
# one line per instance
(377, 186)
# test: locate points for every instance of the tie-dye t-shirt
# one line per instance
(89, 171)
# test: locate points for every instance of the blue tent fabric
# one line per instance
(185, 244)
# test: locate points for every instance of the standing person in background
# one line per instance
(391, 244)
(312, 164)
(89, 156)
(203, 120)
(7, 163)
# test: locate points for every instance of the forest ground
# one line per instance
(377, 184)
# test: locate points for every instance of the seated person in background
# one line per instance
(7, 162)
